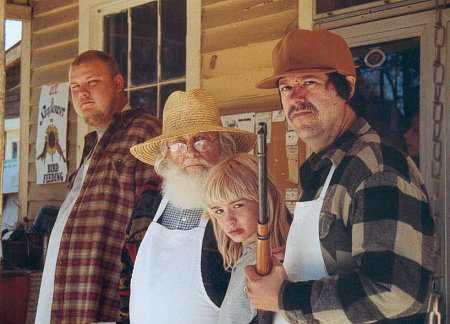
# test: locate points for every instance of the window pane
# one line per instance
(158, 50)
(116, 39)
(14, 150)
(331, 5)
(144, 43)
(166, 90)
(389, 79)
(144, 98)
(173, 43)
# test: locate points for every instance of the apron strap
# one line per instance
(161, 208)
(327, 182)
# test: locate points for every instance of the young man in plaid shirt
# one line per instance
(80, 282)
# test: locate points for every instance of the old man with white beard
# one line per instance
(178, 275)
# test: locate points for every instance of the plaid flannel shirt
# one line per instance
(376, 235)
(88, 266)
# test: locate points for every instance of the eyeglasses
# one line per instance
(200, 145)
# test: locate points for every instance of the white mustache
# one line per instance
(191, 161)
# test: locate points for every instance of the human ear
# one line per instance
(118, 82)
(352, 82)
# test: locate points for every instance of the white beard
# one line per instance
(182, 189)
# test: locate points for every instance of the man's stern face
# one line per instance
(313, 108)
(95, 92)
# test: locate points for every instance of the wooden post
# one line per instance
(2, 101)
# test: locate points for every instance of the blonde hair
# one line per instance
(236, 178)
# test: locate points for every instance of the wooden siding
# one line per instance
(237, 41)
(18, 10)
(12, 103)
(54, 43)
(12, 97)
(237, 38)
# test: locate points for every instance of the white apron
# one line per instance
(167, 285)
(303, 258)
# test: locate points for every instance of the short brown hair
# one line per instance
(343, 89)
(95, 55)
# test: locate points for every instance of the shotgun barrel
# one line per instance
(263, 249)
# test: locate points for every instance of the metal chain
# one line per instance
(438, 107)
(436, 166)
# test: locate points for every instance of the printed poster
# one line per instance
(278, 116)
(265, 117)
(51, 139)
(244, 121)
(10, 176)
(291, 135)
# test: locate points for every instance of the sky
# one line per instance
(13, 32)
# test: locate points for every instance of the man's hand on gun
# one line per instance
(263, 291)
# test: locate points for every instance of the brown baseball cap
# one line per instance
(304, 51)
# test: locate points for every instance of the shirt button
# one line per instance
(184, 218)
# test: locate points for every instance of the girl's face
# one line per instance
(238, 219)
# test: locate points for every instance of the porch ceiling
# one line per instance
(18, 10)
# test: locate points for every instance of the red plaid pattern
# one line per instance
(88, 267)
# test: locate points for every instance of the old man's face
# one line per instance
(194, 153)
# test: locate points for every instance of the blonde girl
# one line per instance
(231, 202)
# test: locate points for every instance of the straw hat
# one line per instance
(185, 113)
(309, 51)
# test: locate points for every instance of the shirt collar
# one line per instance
(119, 120)
(121, 117)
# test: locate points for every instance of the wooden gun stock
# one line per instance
(263, 249)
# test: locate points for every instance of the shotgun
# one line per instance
(263, 250)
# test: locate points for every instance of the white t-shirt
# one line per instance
(44, 308)
(236, 307)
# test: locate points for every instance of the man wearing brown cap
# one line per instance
(178, 274)
(361, 246)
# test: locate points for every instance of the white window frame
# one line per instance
(91, 37)
(375, 10)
